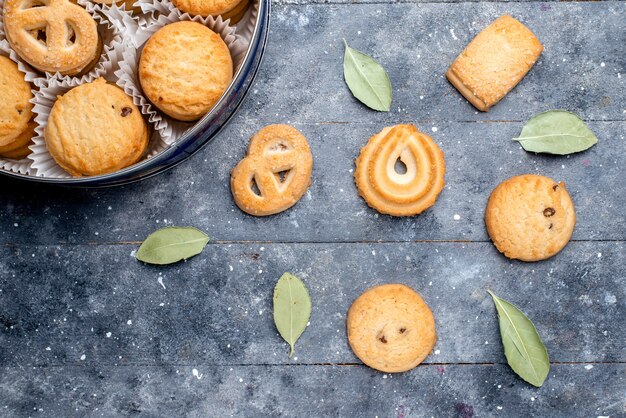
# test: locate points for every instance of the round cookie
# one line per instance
(391, 328)
(530, 217)
(185, 69)
(390, 191)
(95, 128)
(52, 35)
(207, 7)
(15, 107)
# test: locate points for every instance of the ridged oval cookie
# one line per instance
(185, 69)
(494, 62)
(391, 328)
(530, 217)
(394, 193)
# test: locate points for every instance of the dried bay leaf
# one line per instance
(292, 308)
(367, 80)
(556, 132)
(523, 348)
(172, 244)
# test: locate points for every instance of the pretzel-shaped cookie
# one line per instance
(52, 35)
(279, 162)
(389, 191)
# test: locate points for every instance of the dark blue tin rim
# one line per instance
(201, 134)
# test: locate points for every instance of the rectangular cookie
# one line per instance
(494, 62)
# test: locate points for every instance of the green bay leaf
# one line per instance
(292, 308)
(556, 132)
(367, 80)
(523, 348)
(172, 244)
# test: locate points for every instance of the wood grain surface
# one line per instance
(86, 330)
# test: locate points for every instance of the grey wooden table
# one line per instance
(87, 330)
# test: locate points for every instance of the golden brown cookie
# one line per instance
(494, 62)
(279, 164)
(52, 35)
(18, 149)
(237, 13)
(15, 107)
(185, 69)
(95, 128)
(207, 7)
(391, 328)
(18, 154)
(386, 189)
(530, 217)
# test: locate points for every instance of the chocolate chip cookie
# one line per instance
(391, 328)
(530, 217)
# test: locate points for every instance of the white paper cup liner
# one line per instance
(42, 163)
(118, 13)
(246, 24)
(22, 166)
(165, 11)
(245, 27)
(169, 130)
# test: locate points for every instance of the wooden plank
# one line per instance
(87, 330)
(301, 78)
(260, 391)
(60, 303)
(478, 157)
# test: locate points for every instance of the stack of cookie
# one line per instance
(16, 117)
(38, 33)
